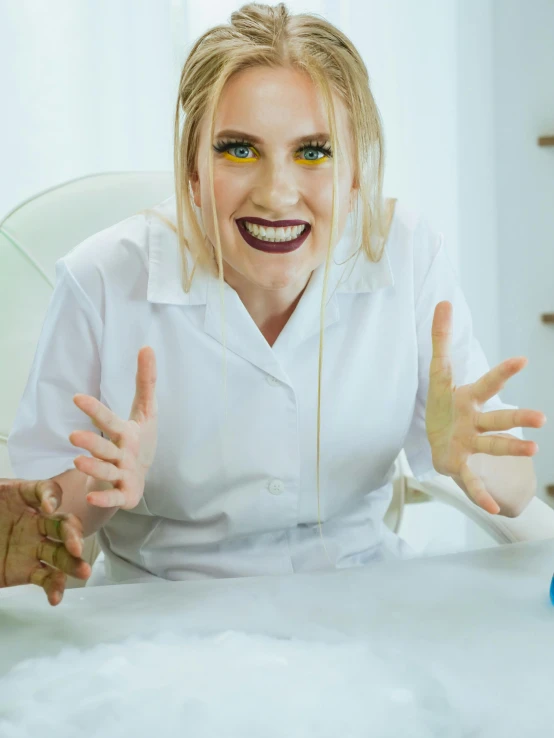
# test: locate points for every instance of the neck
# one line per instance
(269, 309)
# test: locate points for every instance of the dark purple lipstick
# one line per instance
(284, 247)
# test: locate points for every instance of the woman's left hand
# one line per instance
(454, 422)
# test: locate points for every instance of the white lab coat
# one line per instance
(232, 491)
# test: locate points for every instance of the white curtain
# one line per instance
(86, 86)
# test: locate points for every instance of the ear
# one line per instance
(195, 185)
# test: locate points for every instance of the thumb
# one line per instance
(44, 495)
(145, 404)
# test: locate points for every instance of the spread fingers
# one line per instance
(503, 446)
(100, 447)
(98, 469)
(101, 416)
(503, 420)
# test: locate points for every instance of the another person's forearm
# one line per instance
(75, 486)
(511, 480)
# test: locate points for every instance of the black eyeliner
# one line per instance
(225, 144)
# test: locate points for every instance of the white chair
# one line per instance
(535, 523)
(33, 236)
(45, 227)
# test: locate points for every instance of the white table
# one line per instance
(481, 618)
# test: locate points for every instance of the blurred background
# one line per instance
(465, 89)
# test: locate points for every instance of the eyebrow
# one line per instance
(255, 139)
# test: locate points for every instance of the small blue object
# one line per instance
(552, 591)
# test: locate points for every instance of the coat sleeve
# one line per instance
(435, 280)
(66, 362)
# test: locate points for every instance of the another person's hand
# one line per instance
(38, 546)
(123, 458)
(454, 422)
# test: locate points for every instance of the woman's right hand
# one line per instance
(122, 459)
(30, 534)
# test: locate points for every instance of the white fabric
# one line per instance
(232, 491)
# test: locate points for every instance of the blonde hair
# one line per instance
(264, 35)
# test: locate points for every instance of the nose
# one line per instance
(276, 192)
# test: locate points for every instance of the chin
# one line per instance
(276, 276)
(269, 272)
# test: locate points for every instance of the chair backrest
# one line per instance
(33, 236)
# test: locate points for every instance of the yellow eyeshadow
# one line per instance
(230, 157)
(313, 162)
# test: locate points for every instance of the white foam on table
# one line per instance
(226, 685)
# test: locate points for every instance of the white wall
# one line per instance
(410, 52)
(478, 237)
(431, 66)
(524, 109)
(86, 87)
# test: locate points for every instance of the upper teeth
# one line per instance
(265, 233)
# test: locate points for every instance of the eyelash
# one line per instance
(222, 146)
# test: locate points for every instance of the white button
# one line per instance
(276, 487)
(273, 381)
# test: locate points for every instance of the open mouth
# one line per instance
(273, 240)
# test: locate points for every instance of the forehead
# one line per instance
(275, 103)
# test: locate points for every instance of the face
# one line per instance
(273, 163)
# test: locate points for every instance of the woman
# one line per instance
(293, 331)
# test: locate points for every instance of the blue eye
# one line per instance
(309, 152)
(237, 149)
(313, 152)
(241, 151)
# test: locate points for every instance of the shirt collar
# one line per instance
(350, 272)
